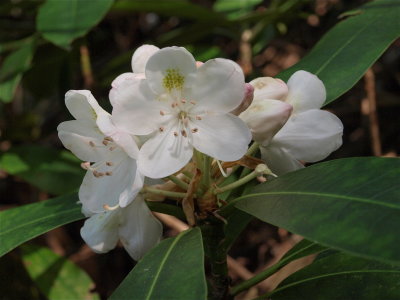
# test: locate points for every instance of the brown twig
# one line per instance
(368, 108)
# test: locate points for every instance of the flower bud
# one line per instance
(247, 100)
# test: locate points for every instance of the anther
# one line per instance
(184, 134)
(107, 138)
(85, 165)
(193, 102)
(183, 101)
(91, 144)
(175, 133)
(105, 143)
(161, 129)
(112, 148)
(162, 113)
(109, 163)
(108, 173)
(194, 130)
(198, 118)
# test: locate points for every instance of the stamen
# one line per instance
(162, 113)
(194, 130)
(112, 148)
(198, 118)
(91, 144)
(175, 133)
(107, 207)
(184, 134)
(109, 163)
(108, 138)
(105, 143)
(161, 129)
(85, 165)
(221, 169)
(183, 101)
(108, 173)
(193, 102)
(174, 104)
(97, 174)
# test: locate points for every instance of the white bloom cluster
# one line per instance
(171, 107)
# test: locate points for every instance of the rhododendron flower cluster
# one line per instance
(186, 124)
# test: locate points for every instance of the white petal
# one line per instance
(246, 101)
(306, 91)
(269, 88)
(100, 231)
(265, 118)
(139, 230)
(170, 69)
(121, 78)
(83, 138)
(141, 56)
(117, 189)
(279, 160)
(82, 105)
(311, 135)
(164, 153)
(224, 137)
(134, 110)
(220, 86)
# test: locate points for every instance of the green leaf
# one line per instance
(344, 54)
(350, 204)
(26, 222)
(60, 22)
(340, 276)
(55, 276)
(301, 249)
(172, 270)
(12, 70)
(176, 8)
(235, 8)
(53, 171)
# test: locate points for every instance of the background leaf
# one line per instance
(55, 276)
(53, 171)
(60, 22)
(344, 54)
(23, 223)
(353, 278)
(350, 204)
(12, 69)
(172, 270)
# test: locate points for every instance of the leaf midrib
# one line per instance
(37, 221)
(163, 261)
(336, 196)
(330, 275)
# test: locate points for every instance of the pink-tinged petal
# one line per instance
(265, 118)
(83, 138)
(247, 100)
(113, 186)
(82, 105)
(100, 231)
(139, 230)
(279, 160)
(141, 56)
(224, 137)
(311, 135)
(220, 86)
(306, 91)
(171, 70)
(269, 88)
(133, 108)
(165, 153)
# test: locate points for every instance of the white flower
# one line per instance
(135, 226)
(182, 107)
(309, 135)
(112, 178)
